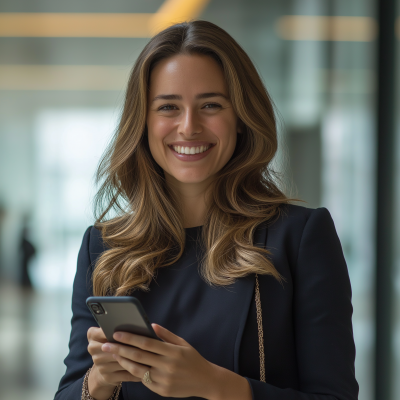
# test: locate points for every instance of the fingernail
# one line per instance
(106, 347)
(117, 335)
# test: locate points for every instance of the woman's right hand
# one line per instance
(106, 372)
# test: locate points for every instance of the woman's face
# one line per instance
(192, 126)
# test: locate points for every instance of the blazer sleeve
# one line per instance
(78, 360)
(322, 313)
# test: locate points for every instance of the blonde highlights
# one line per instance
(147, 233)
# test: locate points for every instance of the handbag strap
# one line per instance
(260, 332)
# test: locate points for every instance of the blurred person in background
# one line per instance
(249, 293)
(27, 251)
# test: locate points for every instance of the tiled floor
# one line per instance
(34, 334)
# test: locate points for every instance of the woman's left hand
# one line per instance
(176, 368)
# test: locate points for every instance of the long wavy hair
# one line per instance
(146, 231)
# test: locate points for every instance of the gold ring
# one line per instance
(146, 378)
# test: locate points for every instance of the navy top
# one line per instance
(179, 298)
(308, 338)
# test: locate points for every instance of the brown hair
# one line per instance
(147, 231)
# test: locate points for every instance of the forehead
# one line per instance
(187, 73)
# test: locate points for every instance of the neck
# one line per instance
(193, 197)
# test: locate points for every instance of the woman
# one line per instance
(203, 238)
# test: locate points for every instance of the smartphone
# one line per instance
(124, 314)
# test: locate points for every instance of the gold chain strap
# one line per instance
(260, 332)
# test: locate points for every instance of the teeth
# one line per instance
(190, 150)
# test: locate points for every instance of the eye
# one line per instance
(213, 105)
(166, 107)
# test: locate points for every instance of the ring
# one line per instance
(146, 378)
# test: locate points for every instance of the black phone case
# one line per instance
(124, 314)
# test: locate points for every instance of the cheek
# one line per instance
(226, 132)
(160, 126)
(157, 131)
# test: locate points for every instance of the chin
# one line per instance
(191, 179)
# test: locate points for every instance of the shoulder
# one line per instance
(298, 226)
(295, 218)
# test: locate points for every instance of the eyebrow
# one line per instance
(179, 97)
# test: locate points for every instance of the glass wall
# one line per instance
(396, 308)
(60, 98)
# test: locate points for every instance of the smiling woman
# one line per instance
(198, 210)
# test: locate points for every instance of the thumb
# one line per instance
(168, 336)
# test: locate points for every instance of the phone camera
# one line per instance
(97, 308)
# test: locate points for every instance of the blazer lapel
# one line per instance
(245, 290)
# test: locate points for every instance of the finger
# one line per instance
(133, 353)
(102, 358)
(95, 348)
(144, 343)
(168, 336)
(121, 375)
(125, 376)
(135, 369)
(109, 367)
(96, 334)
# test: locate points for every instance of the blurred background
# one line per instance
(330, 67)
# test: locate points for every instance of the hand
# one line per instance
(176, 368)
(106, 372)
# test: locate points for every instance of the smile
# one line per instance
(191, 150)
(186, 153)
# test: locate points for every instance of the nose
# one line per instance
(189, 124)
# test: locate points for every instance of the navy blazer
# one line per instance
(308, 335)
